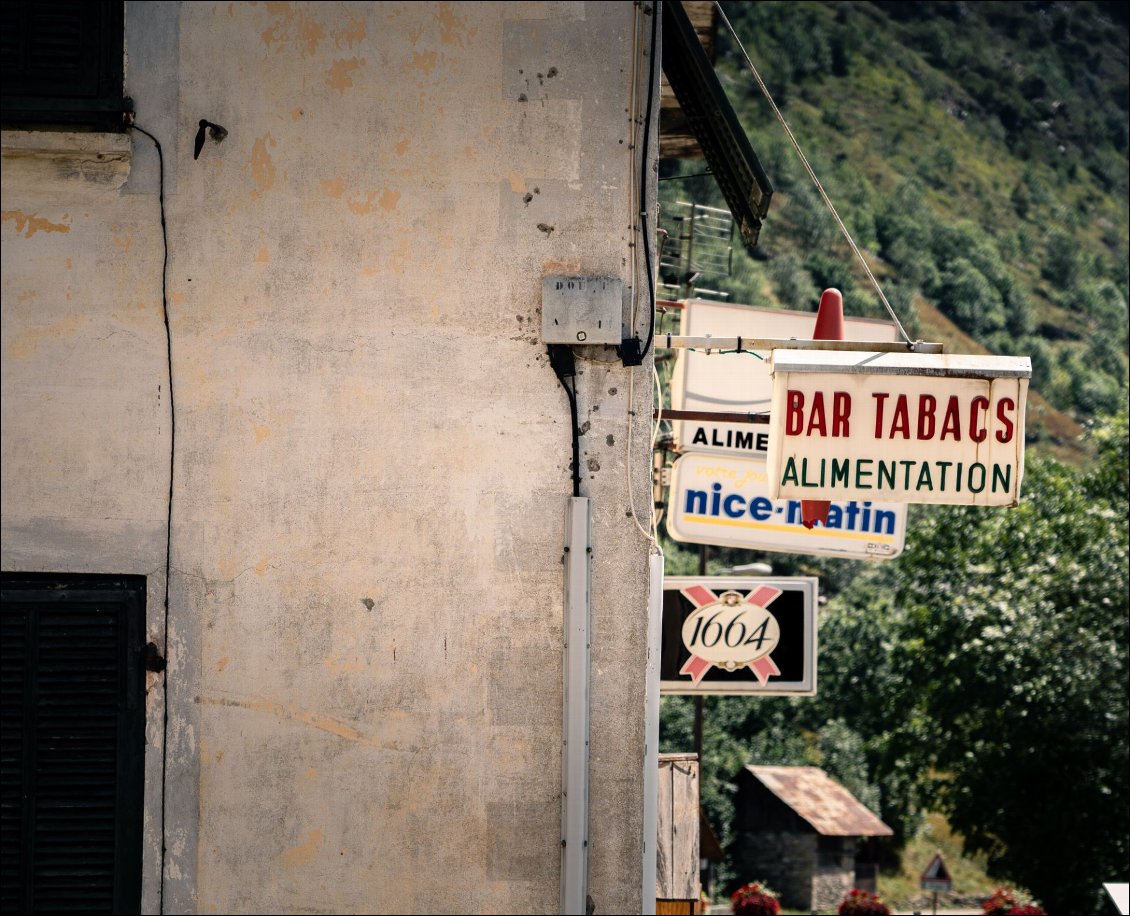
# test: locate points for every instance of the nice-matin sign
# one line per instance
(897, 427)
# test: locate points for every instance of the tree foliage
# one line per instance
(989, 668)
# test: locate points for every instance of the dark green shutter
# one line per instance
(72, 760)
(62, 63)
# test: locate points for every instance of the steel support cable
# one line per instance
(812, 174)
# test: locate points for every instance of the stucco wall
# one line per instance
(372, 453)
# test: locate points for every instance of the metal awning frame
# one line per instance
(722, 345)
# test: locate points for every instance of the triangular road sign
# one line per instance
(937, 869)
(936, 877)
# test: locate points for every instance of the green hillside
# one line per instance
(977, 152)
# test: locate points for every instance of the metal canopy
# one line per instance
(745, 344)
(733, 162)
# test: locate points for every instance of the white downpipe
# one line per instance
(575, 709)
(651, 733)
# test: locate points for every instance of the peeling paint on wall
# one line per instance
(452, 27)
(294, 713)
(262, 165)
(33, 223)
(387, 201)
(333, 187)
(353, 32)
(293, 28)
(22, 344)
(424, 61)
(340, 75)
(304, 852)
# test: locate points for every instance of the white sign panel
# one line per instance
(897, 427)
(740, 382)
(724, 500)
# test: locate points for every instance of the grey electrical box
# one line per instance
(582, 310)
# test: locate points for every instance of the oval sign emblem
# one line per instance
(731, 632)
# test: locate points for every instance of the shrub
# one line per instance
(1004, 903)
(861, 903)
(754, 899)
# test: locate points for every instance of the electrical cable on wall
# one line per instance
(637, 206)
(630, 351)
(169, 514)
(644, 172)
(565, 367)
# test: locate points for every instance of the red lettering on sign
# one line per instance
(978, 432)
(1005, 405)
(816, 418)
(841, 410)
(880, 397)
(951, 424)
(901, 422)
(794, 413)
(927, 404)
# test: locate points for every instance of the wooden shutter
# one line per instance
(71, 753)
(62, 62)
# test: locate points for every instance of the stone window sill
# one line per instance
(99, 158)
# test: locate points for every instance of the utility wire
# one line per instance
(645, 171)
(564, 366)
(169, 514)
(812, 174)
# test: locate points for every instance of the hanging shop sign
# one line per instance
(741, 382)
(897, 427)
(724, 500)
(739, 635)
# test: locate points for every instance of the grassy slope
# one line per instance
(901, 889)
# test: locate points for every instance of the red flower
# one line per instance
(1004, 903)
(754, 899)
(861, 903)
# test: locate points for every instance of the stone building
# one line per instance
(801, 832)
(277, 406)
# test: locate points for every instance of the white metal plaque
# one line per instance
(897, 427)
(724, 500)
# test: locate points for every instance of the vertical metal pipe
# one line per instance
(651, 732)
(575, 708)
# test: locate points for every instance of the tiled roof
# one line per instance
(830, 808)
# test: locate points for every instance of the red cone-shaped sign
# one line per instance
(830, 316)
(829, 326)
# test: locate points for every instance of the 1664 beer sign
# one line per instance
(731, 631)
(897, 427)
(739, 635)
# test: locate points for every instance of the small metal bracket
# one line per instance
(154, 661)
